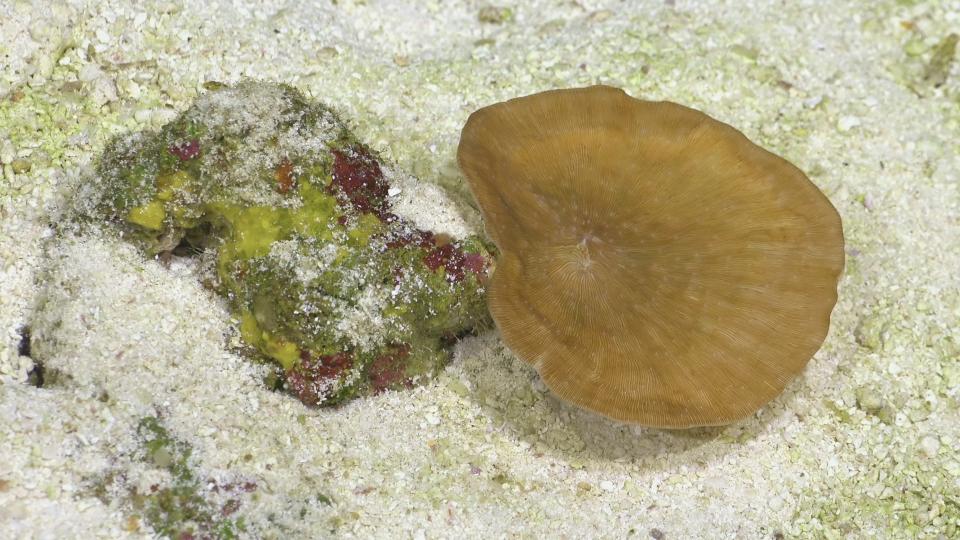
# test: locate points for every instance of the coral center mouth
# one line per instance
(587, 249)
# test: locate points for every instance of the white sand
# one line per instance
(484, 451)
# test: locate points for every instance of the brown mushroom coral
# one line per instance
(655, 265)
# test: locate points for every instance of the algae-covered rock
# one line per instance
(293, 215)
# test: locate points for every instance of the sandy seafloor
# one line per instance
(863, 445)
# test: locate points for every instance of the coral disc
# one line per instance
(656, 266)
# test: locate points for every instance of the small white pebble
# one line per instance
(607, 485)
(90, 72)
(16, 510)
(143, 116)
(7, 152)
(393, 192)
(433, 420)
(930, 445)
(847, 123)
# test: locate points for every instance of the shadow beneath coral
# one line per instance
(510, 392)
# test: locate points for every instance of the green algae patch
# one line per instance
(292, 219)
(924, 68)
(939, 66)
(40, 118)
(178, 503)
(179, 509)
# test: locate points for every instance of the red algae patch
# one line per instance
(312, 378)
(187, 150)
(358, 178)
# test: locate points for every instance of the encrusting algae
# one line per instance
(178, 504)
(655, 265)
(290, 216)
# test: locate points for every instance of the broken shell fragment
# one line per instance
(656, 266)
